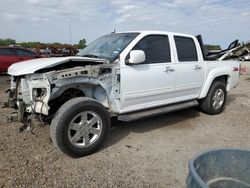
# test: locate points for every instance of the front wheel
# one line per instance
(80, 126)
(214, 103)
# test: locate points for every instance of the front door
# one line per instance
(151, 83)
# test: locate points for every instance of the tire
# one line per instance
(214, 103)
(80, 127)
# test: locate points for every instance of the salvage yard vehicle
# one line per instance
(128, 75)
(11, 55)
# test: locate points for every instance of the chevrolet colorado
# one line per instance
(127, 75)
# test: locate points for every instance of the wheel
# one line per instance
(80, 127)
(214, 103)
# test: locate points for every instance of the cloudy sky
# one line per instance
(219, 21)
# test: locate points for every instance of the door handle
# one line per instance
(20, 58)
(197, 67)
(168, 69)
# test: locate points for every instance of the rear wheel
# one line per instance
(80, 126)
(214, 103)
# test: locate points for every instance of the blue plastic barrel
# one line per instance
(220, 168)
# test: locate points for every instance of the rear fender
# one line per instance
(212, 75)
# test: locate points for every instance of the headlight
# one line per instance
(38, 92)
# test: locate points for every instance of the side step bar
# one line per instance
(156, 111)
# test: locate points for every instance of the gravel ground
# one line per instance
(147, 153)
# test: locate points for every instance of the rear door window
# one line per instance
(186, 49)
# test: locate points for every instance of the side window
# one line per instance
(186, 49)
(20, 52)
(156, 48)
(5, 51)
(29, 53)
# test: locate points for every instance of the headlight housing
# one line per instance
(38, 93)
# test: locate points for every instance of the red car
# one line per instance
(10, 55)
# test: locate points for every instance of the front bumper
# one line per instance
(21, 97)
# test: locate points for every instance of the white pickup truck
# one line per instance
(128, 75)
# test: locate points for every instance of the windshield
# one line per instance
(108, 46)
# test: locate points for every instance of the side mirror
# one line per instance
(136, 57)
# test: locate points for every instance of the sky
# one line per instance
(219, 21)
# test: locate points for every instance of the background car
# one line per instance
(10, 55)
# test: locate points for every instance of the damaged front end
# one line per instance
(29, 94)
(43, 92)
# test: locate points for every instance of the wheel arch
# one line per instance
(62, 96)
(95, 92)
(219, 76)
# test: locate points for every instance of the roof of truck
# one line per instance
(147, 32)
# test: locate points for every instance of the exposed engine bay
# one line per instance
(44, 91)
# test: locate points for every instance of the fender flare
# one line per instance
(221, 71)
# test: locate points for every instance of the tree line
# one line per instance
(36, 44)
(212, 47)
(80, 45)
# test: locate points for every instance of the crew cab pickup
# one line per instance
(127, 75)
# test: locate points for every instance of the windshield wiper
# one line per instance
(91, 55)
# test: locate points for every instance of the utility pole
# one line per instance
(70, 30)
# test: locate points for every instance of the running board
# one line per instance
(156, 111)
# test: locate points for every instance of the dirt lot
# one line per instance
(148, 153)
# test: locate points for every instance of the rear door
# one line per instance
(190, 68)
(151, 83)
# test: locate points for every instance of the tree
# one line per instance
(212, 47)
(82, 43)
(7, 42)
(29, 44)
